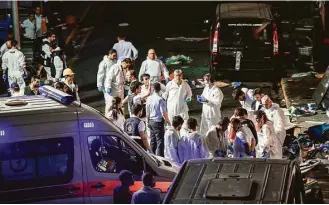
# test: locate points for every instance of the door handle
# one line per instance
(99, 185)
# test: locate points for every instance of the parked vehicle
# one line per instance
(56, 150)
(224, 181)
(245, 38)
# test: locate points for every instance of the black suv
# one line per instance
(244, 38)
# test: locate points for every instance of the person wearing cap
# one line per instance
(15, 91)
(103, 71)
(275, 114)
(154, 67)
(147, 194)
(69, 82)
(115, 81)
(32, 89)
(178, 94)
(122, 193)
(14, 61)
(57, 62)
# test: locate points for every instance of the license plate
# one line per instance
(238, 60)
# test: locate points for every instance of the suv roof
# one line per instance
(245, 10)
(34, 104)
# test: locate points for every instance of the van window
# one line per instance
(245, 33)
(36, 163)
(111, 155)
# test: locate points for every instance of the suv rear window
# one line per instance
(36, 163)
(245, 33)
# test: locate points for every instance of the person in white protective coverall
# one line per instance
(171, 138)
(177, 94)
(154, 67)
(245, 97)
(269, 145)
(211, 99)
(216, 140)
(193, 145)
(276, 115)
(14, 61)
(103, 71)
(115, 81)
(125, 49)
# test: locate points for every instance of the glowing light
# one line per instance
(2, 133)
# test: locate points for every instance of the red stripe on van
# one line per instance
(110, 185)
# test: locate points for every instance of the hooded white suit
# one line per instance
(103, 72)
(276, 115)
(176, 95)
(116, 81)
(211, 110)
(14, 61)
(268, 141)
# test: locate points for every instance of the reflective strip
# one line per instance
(110, 186)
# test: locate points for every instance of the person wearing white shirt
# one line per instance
(58, 62)
(257, 104)
(38, 19)
(154, 67)
(46, 53)
(125, 49)
(115, 114)
(29, 27)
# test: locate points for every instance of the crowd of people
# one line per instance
(48, 58)
(159, 113)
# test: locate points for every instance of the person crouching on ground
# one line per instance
(243, 141)
(115, 113)
(216, 140)
(171, 139)
(193, 145)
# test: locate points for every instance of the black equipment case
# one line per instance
(251, 181)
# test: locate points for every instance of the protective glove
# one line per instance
(167, 80)
(236, 84)
(188, 99)
(25, 76)
(265, 155)
(100, 88)
(109, 90)
(4, 77)
(201, 99)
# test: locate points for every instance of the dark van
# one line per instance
(244, 38)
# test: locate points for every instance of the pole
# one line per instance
(14, 5)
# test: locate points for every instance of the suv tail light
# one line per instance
(215, 40)
(275, 41)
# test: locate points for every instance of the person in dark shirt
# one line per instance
(32, 89)
(122, 193)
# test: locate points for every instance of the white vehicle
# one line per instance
(56, 150)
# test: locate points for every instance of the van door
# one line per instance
(106, 154)
(41, 170)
